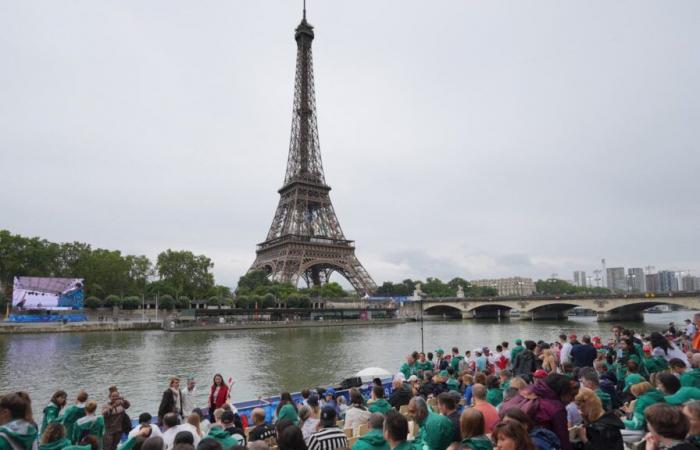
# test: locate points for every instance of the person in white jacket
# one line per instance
(357, 414)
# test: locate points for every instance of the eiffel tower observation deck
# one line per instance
(305, 239)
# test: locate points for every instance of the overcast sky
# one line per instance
(461, 138)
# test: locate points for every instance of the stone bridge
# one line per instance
(608, 308)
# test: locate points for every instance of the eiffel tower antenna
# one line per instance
(305, 240)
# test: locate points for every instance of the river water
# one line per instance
(262, 362)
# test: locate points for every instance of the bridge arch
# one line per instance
(444, 310)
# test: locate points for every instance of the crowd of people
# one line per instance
(570, 394)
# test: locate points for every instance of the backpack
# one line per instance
(545, 439)
(528, 406)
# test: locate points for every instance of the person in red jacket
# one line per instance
(218, 395)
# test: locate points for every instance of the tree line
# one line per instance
(434, 287)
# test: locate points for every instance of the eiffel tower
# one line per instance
(305, 239)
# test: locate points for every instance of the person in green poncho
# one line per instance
(89, 425)
(74, 412)
(690, 377)
(54, 437)
(286, 409)
(17, 430)
(646, 396)
(435, 431)
(494, 392)
(456, 359)
(58, 401)
(452, 383)
(409, 367)
(423, 365)
(374, 438)
(691, 410)
(396, 431)
(222, 437)
(516, 350)
(674, 394)
(473, 429)
(379, 403)
(633, 376)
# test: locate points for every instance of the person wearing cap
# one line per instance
(379, 403)
(516, 350)
(171, 401)
(441, 362)
(329, 397)
(435, 431)
(145, 420)
(374, 438)
(328, 436)
(409, 367)
(539, 374)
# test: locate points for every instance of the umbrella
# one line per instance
(371, 373)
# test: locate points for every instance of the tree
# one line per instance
(294, 301)
(166, 302)
(252, 280)
(268, 301)
(130, 303)
(111, 301)
(214, 301)
(183, 302)
(92, 302)
(242, 302)
(554, 286)
(188, 273)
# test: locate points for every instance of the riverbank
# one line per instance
(76, 327)
(277, 325)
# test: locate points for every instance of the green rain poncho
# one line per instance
(407, 370)
(683, 395)
(50, 415)
(691, 378)
(494, 396)
(650, 397)
(373, 440)
(222, 437)
(435, 433)
(478, 443)
(71, 415)
(89, 426)
(58, 444)
(17, 433)
(288, 412)
(379, 406)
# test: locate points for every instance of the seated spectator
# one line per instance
(379, 403)
(691, 410)
(221, 436)
(481, 404)
(154, 443)
(589, 379)
(209, 444)
(543, 438)
(145, 420)
(183, 437)
(374, 438)
(261, 431)
(601, 429)
(447, 405)
(472, 430)
(633, 376)
(357, 412)
(400, 395)
(435, 431)
(233, 425)
(645, 396)
(286, 409)
(171, 421)
(511, 436)
(290, 437)
(668, 428)
(494, 393)
(396, 431)
(328, 436)
(54, 437)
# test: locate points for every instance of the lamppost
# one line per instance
(422, 349)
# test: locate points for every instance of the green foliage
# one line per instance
(242, 302)
(166, 302)
(132, 302)
(555, 286)
(304, 301)
(92, 302)
(294, 301)
(328, 290)
(214, 301)
(183, 302)
(269, 301)
(111, 301)
(188, 273)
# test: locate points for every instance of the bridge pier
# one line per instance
(621, 316)
(544, 315)
(486, 314)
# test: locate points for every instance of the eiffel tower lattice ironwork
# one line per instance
(305, 239)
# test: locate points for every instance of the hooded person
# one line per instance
(374, 438)
(74, 412)
(17, 429)
(54, 437)
(456, 359)
(525, 363)
(89, 425)
(601, 429)
(286, 409)
(515, 351)
(646, 396)
(379, 403)
(435, 431)
(221, 436)
(51, 411)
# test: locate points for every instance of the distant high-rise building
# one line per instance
(616, 279)
(689, 283)
(636, 281)
(652, 282)
(580, 278)
(668, 281)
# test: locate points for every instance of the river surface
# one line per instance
(262, 362)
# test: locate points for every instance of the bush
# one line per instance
(92, 303)
(227, 302)
(269, 301)
(182, 302)
(166, 302)
(293, 301)
(304, 301)
(131, 303)
(242, 301)
(111, 301)
(214, 301)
